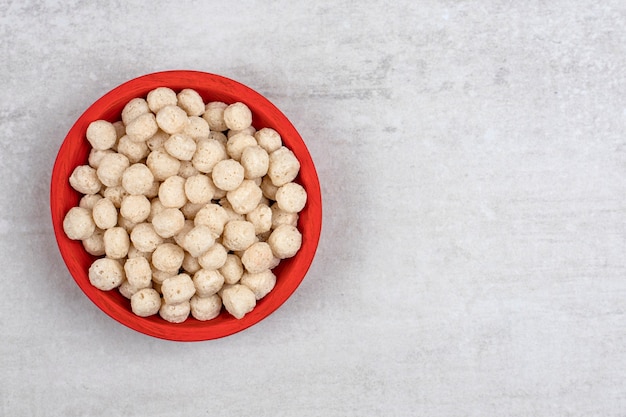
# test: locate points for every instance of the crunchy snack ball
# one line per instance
(178, 237)
(250, 130)
(199, 189)
(134, 151)
(172, 192)
(237, 143)
(227, 174)
(197, 128)
(142, 128)
(168, 257)
(159, 276)
(145, 302)
(155, 208)
(187, 169)
(89, 200)
(120, 129)
(232, 270)
(135, 208)
(255, 162)
(162, 164)
(261, 283)
(84, 180)
(101, 135)
(104, 214)
(126, 289)
(157, 140)
(214, 115)
(137, 179)
(291, 197)
(94, 244)
(208, 153)
(190, 101)
(205, 308)
(283, 166)
(178, 289)
(237, 116)
(145, 238)
(268, 139)
(161, 97)
(268, 188)
(171, 119)
(218, 136)
(133, 109)
(106, 274)
(78, 223)
(214, 216)
(111, 168)
(198, 240)
(238, 300)
(280, 216)
(190, 264)
(116, 242)
(238, 235)
(191, 209)
(207, 282)
(180, 146)
(138, 272)
(115, 194)
(261, 218)
(95, 156)
(175, 313)
(168, 222)
(258, 257)
(214, 257)
(285, 241)
(244, 198)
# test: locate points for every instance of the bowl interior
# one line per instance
(75, 150)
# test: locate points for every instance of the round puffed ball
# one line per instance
(261, 218)
(133, 252)
(168, 257)
(232, 214)
(237, 116)
(168, 222)
(145, 302)
(175, 313)
(214, 115)
(161, 97)
(291, 197)
(198, 240)
(268, 188)
(187, 169)
(177, 289)
(137, 179)
(106, 274)
(172, 192)
(214, 216)
(178, 237)
(261, 283)
(197, 128)
(125, 224)
(104, 214)
(280, 217)
(218, 136)
(190, 264)
(238, 300)
(191, 209)
(134, 151)
(144, 237)
(155, 208)
(255, 162)
(214, 257)
(238, 235)
(283, 166)
(142, 128)
(199, 189)
(78, 223)
(250, 130)
(207, 282)
(180, 146)
(126, 289)
(135, 208)
(171, 119)
(94, 244)
(111, 168)
(159, 276)
(205, 308)
(89, 200)
(115, 194)
(133, 109)
(285, 241)
(268, 139)
(157, 140)
(116, 242)
(120, 129)
(237, 143)
(138, 272)
(258, 257)
(162, 164)
(101, 135)
(84, 180)
(245, 198)
(232, 270)
(190, 101)
(95, 156)
(208, 153)
(227, 174)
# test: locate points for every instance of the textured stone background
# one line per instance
(472, 157)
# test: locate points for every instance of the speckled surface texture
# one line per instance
(472, 156)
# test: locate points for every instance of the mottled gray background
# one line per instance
(472, 156)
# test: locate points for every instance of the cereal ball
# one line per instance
(238, 235)
(145, 302)
(78, 223)
(133, 109)
(111, 168)
(176, 313)
(237, 116)
(106, 274)
(214, 115)
(133, 252)
(268, 139)
(115, 194)
(171, 119)
(120, 129)
(138, 272)
(280, 216)
(84, 180)
(187, 169)
(168, 257)
(142, 128)
(219, 136)
(155, 208)
(214, 216)
(244, 198)
(162, 164)
(232, 270)
(134, 151)
(237, 143)
(261, 218)
(255, 162)
(232, 214)
(89, 200)
(95, 156)
(291, 197)
(104, 214)
(125, 224)
(145, 238)
(126, 289)
(283, 166)
(168, 222)
(116, 242)
(285, 241)
(101, 135)
(190, 101)
(178, 237)
(227, 174)
(161, 97)
(199, 189)
(268, 188)
(208, 153)
(207, 282)
(94, 244)
(180, 146)
(261, 283)
(250, 130)
(190, 264)
(157, 140)
(258, 257)
(172, 192)
(238, 300)
(214, 257)
(205, 308)
(191, 209)
(178, 289)
(159, 276)
(198, 240)
(137, 179)
(135, 208)
(197, 128)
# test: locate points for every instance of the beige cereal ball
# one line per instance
(94, 244)
(116, 242)
(190, 101)
(214, 216)
(268, 139)
(261, 283)
(198, 240)
(78, 223)
(145, 302)
(95, 156)
(106, 274)
(197, 128)
(285, 241)
(104, 214)
(218, 136)
(227, 174)
(291, 197)
(172, 192)
(178, 289)
(280, 217)
(283, 166)
(232, 270)
(125, 224)
(255, 162)
(199, 189)
(214, 115)
(168, 222)
(138, 272)
(178, 237)
(159, 276)
(207, 282)
(120, 129)
(238, 235)
(135, 208)
(190, 264)
(162, 164)
(133, 252)
(268, 188)
(134, 151)
(142, 128)
(237, 116)
(238, 300)
(187, 169)
(208, 153)
(137, 179)
(111, 168)
(133, 109)
(258, 257)
(191, 209)
(168, 257)
(126, 289)
(232, 214)
(101, 135)
(171, 119)
(157, 140)
(84, 180)
(250, 130)
(145, 238)
(236, 144)
(153, 191)
(180, 146)
(155, 208)
(261, 218)
(205, 308)
(245, 198)
(115, 194)
(214, 257)
(161, 97)
(175, 313)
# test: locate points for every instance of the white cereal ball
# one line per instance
(291, 197)
(237, 143)
(268, 188)
(283, 166)
(214, 115)
(214, 216)
(232, 214)
(261, 218)
(126, 289)
(171, 119)
(178, 237)
(115, 194)
(134, 151)
(94, 244)
(285, 241)
(214, 257)
(133, 109)
(168, 257)
(145, 302)
(111, 168)
(175, 313)
(255, 162)
(199, 189)
(157, 140)
(197, 128)
(144, 237)
(142, 128)
(78, 223)
(245, 198)
(161, 97)
(137, 179)
(135, 208)
(190, 101)
(232, 270)
(104, 214)
(258, 257)
(168, 222)
(280, 217)
(191, 209)
(120, 129)
(172, 192)
(162, 164)
(84, 180)
(153, 191)
(207, 282)
(125, 224)
(106, 274)
(198, 240)
(208, 153)
(227, 174)
(218, 136)
(268, 139)
(238, 235)
(116, 242)
(138, 272)
(159, 276)
(237, 116)
(238, 300)
(177, 289)
(95, 156)
(133, 252)
(190, 264)
(261, 283)
(155, 208)
(187, 169)
(180, 146)
(205, 308)
(250, 130)
(101, 135)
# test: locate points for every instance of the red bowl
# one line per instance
(75, 149)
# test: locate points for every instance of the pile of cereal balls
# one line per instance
(187, 207)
